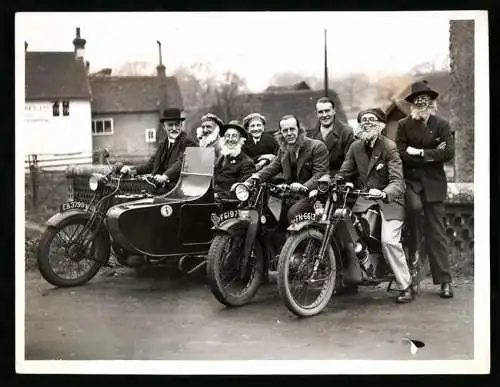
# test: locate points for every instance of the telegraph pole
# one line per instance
(326, 69)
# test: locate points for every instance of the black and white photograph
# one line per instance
(252, 192)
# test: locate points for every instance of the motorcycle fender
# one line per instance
(61, 217)
(299, 226)
(231, 225)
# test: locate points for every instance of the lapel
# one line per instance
(332, 136)
(316, 132)
(285, 164)
(377, 152)
(304, 153)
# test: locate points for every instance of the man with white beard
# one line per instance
(232, 165)
(208, 134)
(425, 143)
(373, 163)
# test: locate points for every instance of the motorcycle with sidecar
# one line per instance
(139, 229)
(334, 244)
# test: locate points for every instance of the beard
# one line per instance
(228, 150)
(209, 139)
(371, 134)
(423, 113)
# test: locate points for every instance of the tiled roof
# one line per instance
(52, 75)
(114, 94)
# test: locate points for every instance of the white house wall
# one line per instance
(55, 137)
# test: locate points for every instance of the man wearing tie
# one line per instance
(165, 165)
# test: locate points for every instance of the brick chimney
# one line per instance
(162, 82)
(160, 69)
(79, 45)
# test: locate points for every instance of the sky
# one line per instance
(255, 45)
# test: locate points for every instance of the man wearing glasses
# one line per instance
(373, 163)
(165, 165)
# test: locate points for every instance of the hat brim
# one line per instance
(163, 119)
(240, 129)
(433, 93)
(220, 124)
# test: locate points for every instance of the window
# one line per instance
(65, 105)
(150, 135)
(102, 127)
(55, 109)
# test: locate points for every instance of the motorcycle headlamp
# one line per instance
(242, 192)
(323, 184)
(95, 181)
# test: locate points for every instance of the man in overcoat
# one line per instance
(337, 136)
(232, 165)
(262, 147)
(373, 163)
(301, 161)
(165, 165)
(425, 143)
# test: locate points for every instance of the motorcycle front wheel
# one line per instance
(306, 291)
(64, 263)
(223, 269)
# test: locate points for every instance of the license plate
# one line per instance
(73, 206)
(218, 219)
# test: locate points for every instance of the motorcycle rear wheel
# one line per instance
(286, 270)
(99, 251)
(224, 254)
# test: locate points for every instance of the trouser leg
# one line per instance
(436, 242)
(393, 250)
(414, 219)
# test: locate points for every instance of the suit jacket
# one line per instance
(229, 170)
(266, 145)
(337, 141)
(383, 170)
(426, 173)
(167, 162)
(312, 163)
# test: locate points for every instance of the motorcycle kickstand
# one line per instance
(181, 261)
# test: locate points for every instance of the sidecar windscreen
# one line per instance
(196, 175)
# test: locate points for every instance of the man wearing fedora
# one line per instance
(373, 163)
(232, 164)
(337, 136)
(300, 160)
(260, 146)
(425, 143)
(165, 165)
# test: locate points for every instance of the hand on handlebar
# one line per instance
(297, 187)
(376, 193)
(126, 170)
(161, 179)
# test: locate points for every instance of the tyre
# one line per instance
(62, 262)
(223, 269)
(296, 277)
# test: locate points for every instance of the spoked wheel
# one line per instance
(65, 259)
(223, 269)
(304, 290)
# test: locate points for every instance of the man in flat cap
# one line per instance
(208, 133)
(165, 165)
(425, 143)
(260, 146)
(232, 165)
(373, 163)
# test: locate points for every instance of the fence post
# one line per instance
(34, 180)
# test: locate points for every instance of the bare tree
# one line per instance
(386, 87)
(353, 89)
(288, 78)
(135, 68)
(228, 91)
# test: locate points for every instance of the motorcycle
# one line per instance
(247, 242)
(139, 229)
(334, 244)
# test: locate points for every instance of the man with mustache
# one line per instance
(425, 143)
(337, 135)
(301, 161)
(373, 162)
(208, 133)
(261, 147)
(232, 165)
(165, 165)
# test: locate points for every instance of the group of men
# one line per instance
(407, 174)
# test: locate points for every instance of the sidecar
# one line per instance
(175, 224)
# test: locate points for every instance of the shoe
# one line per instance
(446, 291)
(406, 296)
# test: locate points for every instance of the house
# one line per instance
(57, 106)
(297, 99)
(126, 112)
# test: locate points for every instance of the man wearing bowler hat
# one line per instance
(425, 143)
(165, 164)
(233, 164)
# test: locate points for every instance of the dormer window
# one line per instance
(55, 109)
(65, 105)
